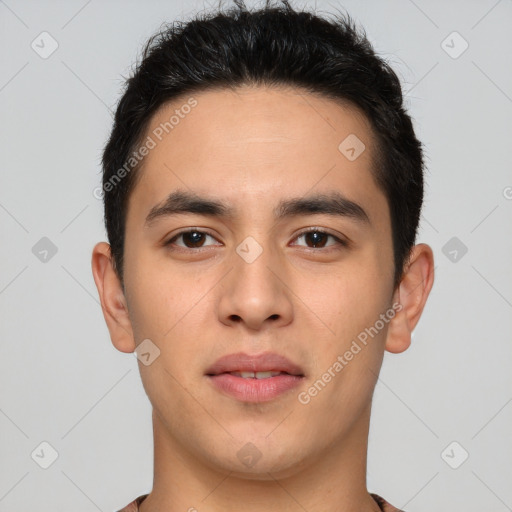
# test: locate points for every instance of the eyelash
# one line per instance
(341, 243)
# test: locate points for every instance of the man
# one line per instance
(263, 187)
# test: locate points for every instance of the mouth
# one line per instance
(257, 375)
(259, 366)
(254, 378)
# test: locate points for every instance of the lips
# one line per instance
(243, 365)
(254, 378)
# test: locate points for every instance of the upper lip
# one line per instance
(242, 362)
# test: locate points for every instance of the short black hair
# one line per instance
(274, 45)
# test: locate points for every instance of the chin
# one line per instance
(269, 467)
(253, 457)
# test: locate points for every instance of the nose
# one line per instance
(255, 292)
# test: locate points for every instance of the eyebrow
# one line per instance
(334, 203)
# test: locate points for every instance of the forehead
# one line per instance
(256, 143)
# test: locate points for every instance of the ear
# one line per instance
(412, 294)
(113, 302)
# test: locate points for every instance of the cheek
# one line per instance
(353, 297)
(170, 309)
(165, 311)
(155, 300)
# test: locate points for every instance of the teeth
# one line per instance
(266, 375)
(256, 375)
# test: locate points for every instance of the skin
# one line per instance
(252, 148)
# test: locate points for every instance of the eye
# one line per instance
(192, 238)
(318, 238)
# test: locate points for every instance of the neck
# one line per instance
(333, 481)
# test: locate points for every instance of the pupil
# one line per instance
(194, 236)
(316, 235)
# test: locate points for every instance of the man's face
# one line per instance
(255, 283)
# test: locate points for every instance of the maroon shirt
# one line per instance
(383, 504)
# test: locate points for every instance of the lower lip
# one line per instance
(255, 390)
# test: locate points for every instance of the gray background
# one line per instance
(61, 380)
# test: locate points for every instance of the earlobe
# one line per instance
(411, 294)
(113, 301)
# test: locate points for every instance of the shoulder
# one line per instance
(384, 505)
(133, 506)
